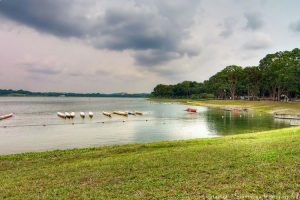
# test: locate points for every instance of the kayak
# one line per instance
(6, 116)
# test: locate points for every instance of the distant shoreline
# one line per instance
(78, 96)
(25, 93)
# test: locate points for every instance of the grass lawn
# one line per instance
(262, 106)
(249, 165)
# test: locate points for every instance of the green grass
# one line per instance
(256, 164)
(261, 106)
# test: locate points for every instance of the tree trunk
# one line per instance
(279, 93)
(274, 93)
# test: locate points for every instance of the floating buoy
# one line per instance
(91, 115)
(82, 114)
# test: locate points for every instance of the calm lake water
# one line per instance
(25, 132)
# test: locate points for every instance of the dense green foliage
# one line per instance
(246, 166)
(57, 94)
(277, 75)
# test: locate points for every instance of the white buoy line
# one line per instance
(71, 115)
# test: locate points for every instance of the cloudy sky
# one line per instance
(132, 45)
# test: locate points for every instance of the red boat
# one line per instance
(193, 110)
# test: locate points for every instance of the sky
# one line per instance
(133, 45)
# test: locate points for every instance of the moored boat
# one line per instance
(61, 115)
(138, 113)
(107, 114)
(67, 115)
(131, 113)
(192, 110)
(72, 114)
(120, 113)
(6, 116)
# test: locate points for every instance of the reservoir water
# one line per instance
(36, 127)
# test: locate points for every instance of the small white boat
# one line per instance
(6, 116)
(62, 115)
(72, 114)
(67, 115)
(91, 115)
(107, 114)
(82, 114)
(138, 113)
(121, 113)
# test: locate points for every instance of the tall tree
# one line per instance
(252, 81)
(233, 74)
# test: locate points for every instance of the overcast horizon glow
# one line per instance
(132, 45)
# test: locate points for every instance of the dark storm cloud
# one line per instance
(158, 27)
(52, 16)
(295, 26)
(254, 21)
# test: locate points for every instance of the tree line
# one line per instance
(276, 77)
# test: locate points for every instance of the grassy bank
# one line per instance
(261, 106)
(265, 163)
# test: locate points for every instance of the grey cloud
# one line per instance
(254, 21)
(228, 27)
(155, 57)
(295, 26)
(40, 69)
(157, 27)
(44, 71)
(259, 41)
